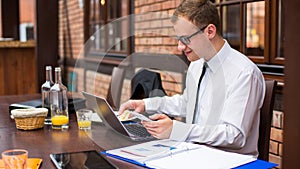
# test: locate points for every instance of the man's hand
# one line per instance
(161, 128)
(136, 105)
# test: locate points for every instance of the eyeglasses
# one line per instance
(186, 39)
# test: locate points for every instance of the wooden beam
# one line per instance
(291, 146)
(46, 36)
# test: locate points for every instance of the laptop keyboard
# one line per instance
(137, 130)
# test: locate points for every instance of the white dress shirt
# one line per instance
(230, 97)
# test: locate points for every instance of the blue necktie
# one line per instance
(198, 89)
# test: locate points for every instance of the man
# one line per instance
(224, 110)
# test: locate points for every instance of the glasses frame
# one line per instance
(187, 39)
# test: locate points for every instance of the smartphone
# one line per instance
(140, 116)
(83, 159)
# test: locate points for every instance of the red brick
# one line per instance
(137, 10)
(174, 87)
(276, 134)
(168, 5)
(274, 147)
(126, 91)
(171, 76)
(177, 2)
(136, 3)
(167, 23)
(138, 17)
(275, 159)
(147, 16)
(280, 149)
(145, 9)
(157, 41)
(277, 120)
(155, 7)
(169, 41)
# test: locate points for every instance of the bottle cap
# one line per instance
(48, 68)
(57, 69)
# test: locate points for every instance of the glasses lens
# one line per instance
(184, 40)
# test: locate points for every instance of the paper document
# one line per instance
(205, 157)
(166, 154)
(153, 149)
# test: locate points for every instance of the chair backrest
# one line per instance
(164, 62)
(115, 87)
(146, 83)
(265, 120)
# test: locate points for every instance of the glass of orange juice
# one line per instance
(84, 119)
(60, 121)
(15, 158)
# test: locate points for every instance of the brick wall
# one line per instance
(153, 29)
(71, 39)
(97, 83)
(79, 81)
(276, 142)
(153, 34)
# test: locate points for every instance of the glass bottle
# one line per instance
(59, 103)
(45, 89)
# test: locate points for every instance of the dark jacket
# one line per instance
(146, 83)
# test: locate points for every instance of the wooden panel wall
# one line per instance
(17, 71)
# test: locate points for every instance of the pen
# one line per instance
(132, 153)
(172, 148)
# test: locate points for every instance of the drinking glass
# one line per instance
(15, 159)
(84, 119)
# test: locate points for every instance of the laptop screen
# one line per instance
(106, 113)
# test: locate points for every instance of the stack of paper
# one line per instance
(168, 154)
(203, 157)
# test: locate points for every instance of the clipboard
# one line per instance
(182, 155)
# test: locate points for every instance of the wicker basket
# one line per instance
(29, 119)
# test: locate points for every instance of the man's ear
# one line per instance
(211, 31)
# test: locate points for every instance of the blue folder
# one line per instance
(125, 159)
(257, 164)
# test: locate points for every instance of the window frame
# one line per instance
(271, 45)
(274, 37)
(111, 54)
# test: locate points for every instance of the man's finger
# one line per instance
(123, 107)
(150, 124)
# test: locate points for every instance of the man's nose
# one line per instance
(181, 46)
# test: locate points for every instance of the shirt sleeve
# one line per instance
(223, 135)
(173, 106)
(176, 105)
(241, 108)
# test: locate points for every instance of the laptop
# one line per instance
(135, 131)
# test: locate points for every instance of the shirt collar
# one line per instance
(216, 62)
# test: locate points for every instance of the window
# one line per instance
(254, 27)
(27, 19)
(108, 27)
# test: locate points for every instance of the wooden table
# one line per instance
(42, 142)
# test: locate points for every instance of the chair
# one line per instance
(145, 84)
(115, 87)
(265, 120)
